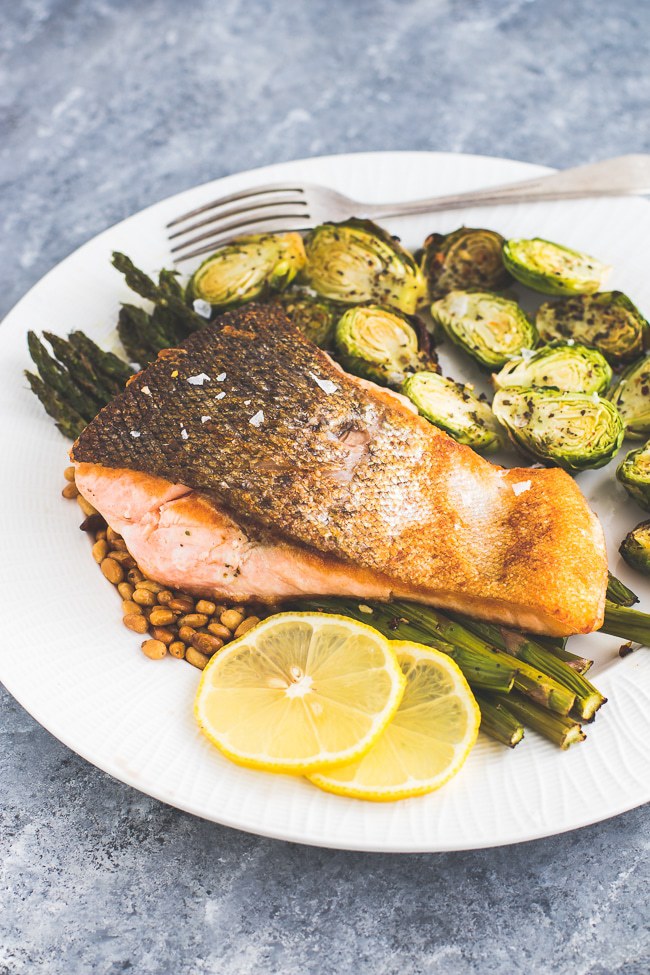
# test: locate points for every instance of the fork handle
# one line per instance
(621, 176)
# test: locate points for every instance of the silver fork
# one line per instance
(279, 207)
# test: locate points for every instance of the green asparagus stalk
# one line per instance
(482, 669)
(81, 370)
(169, 281)
(618, 592)
(529, 680)
(554, 646)
(141, 339)
(587, 698)
(59, 380)
(560, 730)
(498, 722)
(69, 422)
(109, 365)
(165, 294)
(629, 624)
(136, 279)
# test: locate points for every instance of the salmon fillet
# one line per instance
(251, 422)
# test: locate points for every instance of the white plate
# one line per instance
(67, 658)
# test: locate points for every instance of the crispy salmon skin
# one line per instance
(257, 419)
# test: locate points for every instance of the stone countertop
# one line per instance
(107, 106)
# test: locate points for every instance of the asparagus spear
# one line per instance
(529, 680)
(587, 698)
(141, 340)
(149, 334)
(498, 722)
(106, 363)
(169, 281)
(59, 380)
(81, 370)
(629, 624)
(481, 669)
(618, 592)
(560, 730)
(69, 422)
(555, 646)
(165, 294)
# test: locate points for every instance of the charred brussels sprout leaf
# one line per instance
(382, 344)
(490, 328)
(635, 548)
(553, 269)
(631, 396)
(250, 267)
(464, 259)
(607, 321)
(315, 317)
(634, 475)
(356, 261)
(572, 368)
(575, 431)
(453, 408)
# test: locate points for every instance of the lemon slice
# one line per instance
(429, 738)
(300, 692)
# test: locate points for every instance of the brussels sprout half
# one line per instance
(490, 328)
(553, 269)
(635, 548)
(315, 317)
(575, 431)
(455, 409)
(464, 259)
(631, 396)
(247, 268)
(634, 475)
(382, 344)
(608, 321)
(356, 261)
(572, 368)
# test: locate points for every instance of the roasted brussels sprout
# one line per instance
(250, 267)
(462, 260)
(455, 409)
(575, 431)
(607, 321)
(315, 317)
(491, 328)
(634, 475)
(553, 269)
(631, 396)
(382, 344)
(572, 368)
(635, 548)
(356, 261)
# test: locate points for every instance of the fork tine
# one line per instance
(235, 197)
(218, 240)
(254, 218)
(233, 212)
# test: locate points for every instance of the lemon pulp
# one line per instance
(300, 692)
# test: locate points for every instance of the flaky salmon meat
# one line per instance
(253, 423)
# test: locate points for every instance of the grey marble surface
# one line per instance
(108, 106)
